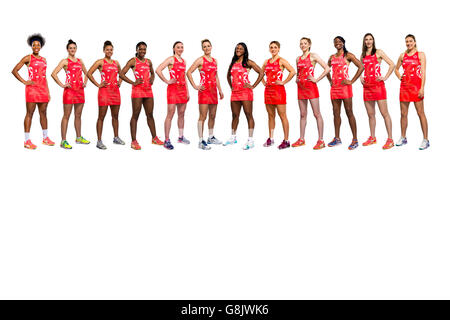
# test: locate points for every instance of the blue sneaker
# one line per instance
(401, 142)
(353, 145)
(203, 145)
(183, 140)
(168, 145)
(425, 144)
(335, 142)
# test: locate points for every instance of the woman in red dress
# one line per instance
(36, 89)
(412, 87)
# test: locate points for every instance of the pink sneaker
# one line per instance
(284, 145)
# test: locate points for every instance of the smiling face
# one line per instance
(410, 43)
(368, 41)
(72, 49)
(108, 51)
(274, 49)
(179, 48)
(304, 45)
(141, 51)
(239, 50)
(338, 44)
(206, 47)
(36, 47)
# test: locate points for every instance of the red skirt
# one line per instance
(208, 96)
(177, 94)
(375, 92)
(244, 94)
(109, 96)
(409, 91)
(341, 92)
(307, 90)
(37, 93)
(141, 91)
(73, 96)
(274, 94)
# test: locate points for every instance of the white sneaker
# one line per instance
(249, 145)
(230, 141)
(401, 142)
(425, 144)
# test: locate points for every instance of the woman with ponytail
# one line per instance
(242, 92)
(412, 87)
(177, 92)
(341, 89)
(141, 93)
(73, 96)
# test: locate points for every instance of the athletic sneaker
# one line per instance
(335, 142)
(248, 145)
(389, 144)
(135, 145)
(183, 140)
(300, 142)
(100, 145)
(117, 140)
(370, 141)
(168, 145)
(284, 145)
(48, 142)
(319, 145)
(353, 145)
(82, 140)
(65, 145)
(156, 141)
(401, 142)
(230, 141)
(425, 144)
(29, 145)
(203, 145)
(213, 140)
(269, 142)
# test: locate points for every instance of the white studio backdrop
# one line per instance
(228, 223)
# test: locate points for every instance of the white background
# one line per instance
(228, 223)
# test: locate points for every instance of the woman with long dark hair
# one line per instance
(108, 92)
(141, 93)
(275, 93)
(242, 92)
(36, 89)
(177, 92)
(374, 88)
(414, 64)
(73, 96)
(341, 89)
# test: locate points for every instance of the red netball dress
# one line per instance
(239, 77)
(177, 92)
(373, 90)
(340, 72)
(412, 78)
(208, 80)
(74, 77)
(38, 91)
(306, 88)
(109, 95)
(142, 71)
(273, 93)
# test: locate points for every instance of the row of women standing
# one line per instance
(412, 61)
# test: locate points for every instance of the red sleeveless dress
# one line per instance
(273, 93)
(109, 95)
(239, 77)
(142, 71)
(74, 77)
(177, 93)
(340, 72)
(373, 90)
(412, 78)
(37, 92)
(208, 80)
(306, 88)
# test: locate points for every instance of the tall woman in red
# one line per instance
(108, 92)
(207, 93)
(36, 88)
(374, 88)
(307, 90)
(341, 89)
(275, 93)
(177, 92)
(141, 93)
(412, 87)
(73, 95)
(242, 92)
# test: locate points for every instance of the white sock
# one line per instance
(250, 139)
(45, 133)
(233, 136)
(211, 132)
(27, 136)
(180, 132)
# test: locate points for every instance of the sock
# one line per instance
(27, 136)
(200, 130)
(250, 139)
(211, 132)
(45, 133)
(180, 132)
(233, 136)
(250, 133)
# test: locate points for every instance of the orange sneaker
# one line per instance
(300, 142)
(48, 142)
(156, 140)
(389, 144)
(319, 145)
(135, 145)
(29, 145)
(371, 140)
